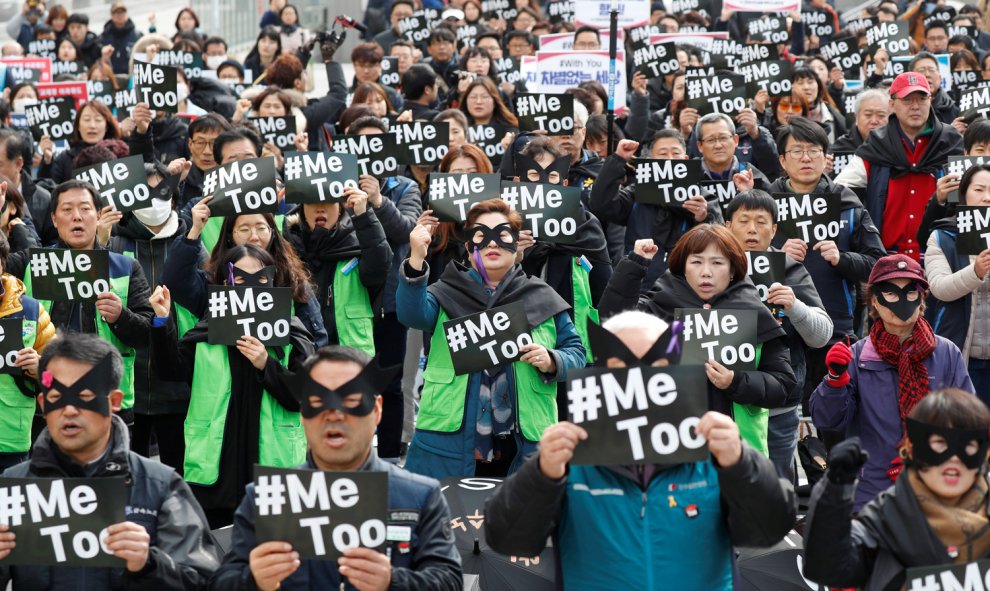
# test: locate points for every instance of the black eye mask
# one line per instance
(97, 380)
(166, 188)
(490, 235)
(956, 441)
(369, 383)
(605, 345)
(902, 308)
(252, 279)
(524, 164)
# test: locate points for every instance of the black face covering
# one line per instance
(956, 441)
(524, 164)
(481, 236)
(97, 380)
(369, 383)
(605, 345)
(254, 279)
(167, 188)
(902, 308)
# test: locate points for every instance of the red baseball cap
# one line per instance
(898, 266)
(907, 83)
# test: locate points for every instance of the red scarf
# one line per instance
(909, 358)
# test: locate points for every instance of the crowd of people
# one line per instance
(877, 335)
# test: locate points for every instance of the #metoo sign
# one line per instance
(260, 312)
(487, 339)
(813, 217)
(726, 336)
(68, 274)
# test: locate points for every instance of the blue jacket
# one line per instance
(431, 563)
(950, 319)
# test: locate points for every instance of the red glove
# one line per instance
(837, 362)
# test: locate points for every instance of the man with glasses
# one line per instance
(872, 110)
(751, 145)
(945, 108)
(367, 60)
(520, 43)
(202, 132)
(897, 165)
(717, 141)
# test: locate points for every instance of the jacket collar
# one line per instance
(48, 460)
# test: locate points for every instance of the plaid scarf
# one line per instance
(908, 357)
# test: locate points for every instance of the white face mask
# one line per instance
(155, 215)
(213, 61)
(182, 90)
(21, 104)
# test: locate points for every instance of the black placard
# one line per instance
(941, 14)
(101, 90)
(466, 36)
(551, 212)
(844, 53)
(62, 521)
(667, 182)
(507, 69)
(727, 336)
(157, 86)
(321, 513)
(818, 22)
(390, 72)
(415, 28)
(638, 415)
(717, 94)
(656, 60)
(279, 131)
(840, 161)
(553, 113)
(376, 153)
(191, 62)
(64, 68)
(774, 76)
(451, 195)
(121, 183)
(13, 338)
(317, 177)
(420, 142)
(765, 269)
(720, 191)
(959, 165)
(487, 339)
(892, 36)
(261, 312)
(856, 25)
(52, 117)
(559, 11)
(963, 30)
(813, 217)
(944, 577)
(124, 99)
(975, 102)
(966, 78)
(755, 52)
(503, 9)
(723, 54)
(42, 48)
(68, 274)
(768, 28)
(241, 187)
(489, 139)
(973, 229)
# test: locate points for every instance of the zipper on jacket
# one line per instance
(642, 511)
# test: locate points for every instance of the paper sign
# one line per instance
(774, 76)
(556, 71)
(718, 94)
(975, 102)
(452, 195)
(121, 184)
(52, 118)
(420, 142)
(667, 182)
(241, 187)
(279, 131)
(260, 312)
(376, 153)
(765, 269)
(892, 36)
(489, 139)
(77, 91)
(656, 60)
(551, 212)
(596, 13)
(959, 165)
(191, 62)
(29, 69)
(973, 227)
(67, 274)
(390, 72)
(156, 86)
(316, 177)
(844, 53)
(812, 218)
(12, 339)
(726, 336)
(768, 28)
(970, 576)
(553, 113)
(487, 339)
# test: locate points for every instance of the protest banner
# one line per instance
(959, 165)
(724, 54)
(487, 339)
(559, 11)
(157, 86)
(122, 184)
(376, 153)
(595, 13)
(766, 268)
(59, 274)
(417, 28)
(551, 212)
(854, 26)
(556, 71)
(761, 5)
(29, 69)
(818, 23)
(240, 187)
(64, 68)
(812, 217)
(278, 131)
(971, 576)
(892, 36)
(420, 143)
(52, 118)
(316, 177)
(467, 34)
(755, 52)
(726, 336)
(638, 415)
(489, 139)
(390, 72)
(667, 182)
(767, 28)
(966, 78)
(62, 521)
(565, 41)
(100, 90)
(972, 229)
(124, 101)
(261, 312)
(702, 41)
(13, 338)
(77, 91)
(452, 195)
(774, 76)
(191, 62)
(553, 113)
(321, 513)
(656, 60)
(503, 9)
(721, 191)
(725, 93)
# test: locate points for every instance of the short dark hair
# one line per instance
(441, 35)
(978, 132)
(752, 200)
(70, 185)
(524, 34)
(937, 24)
(409, 3)
(336, 353)
(539, 145)
(416, 80)
(700, 237)
(922, 55)
(401, 43)
(213, 41)
(588, 29)
(234, 135)
(366, 122)
(665, 133)
(967, 179)
(801, 129)
(962, 40)
(953, 408)
(367, 53)
(207, 123)
(12, 142)
(85, 348)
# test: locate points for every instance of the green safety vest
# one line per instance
(583, 308)
(352, 310)
(281, 441)
(120, 286)
(753, 421)
(443, 399)
(211, 231)
(16, 409)
(184, 319)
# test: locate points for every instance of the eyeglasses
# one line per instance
(247, 231)
(719, 139)
(915, 100)
(927, 70)
(201, 144)
(800, 153)
(789, 107)
(481, 98)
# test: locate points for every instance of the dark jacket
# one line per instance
(849, 142)
(322, 250)
(767, 387)
(860, 247)
(945, 108)
(20, 237)
(182, 553)
(402, 204)
(430, 563)
(122, 39)
(169, 138)
(213, 96)
(950, 318)
(328, 108)
(38, 202)
(761, 152)
(91, 50)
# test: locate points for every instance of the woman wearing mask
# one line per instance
(22, 95)
(266, 49)
(935, 514)
(484, 423)
(707, 269)
(870, 388)
(238, 398)
(959, 286)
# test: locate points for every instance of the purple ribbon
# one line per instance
(675, 344)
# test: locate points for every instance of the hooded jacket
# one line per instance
(122, 39)
(945, 108)
(182, 554)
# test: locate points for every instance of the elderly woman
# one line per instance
(707, 269)
(870, 388)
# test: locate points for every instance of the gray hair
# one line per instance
(714, 118)
(636, 320)
(580, 114)
(873, 93)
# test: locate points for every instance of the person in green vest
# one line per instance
(17, 403)
(484, 423)
(348, 256)
(241, 413)
(121, 315)
(707, 268)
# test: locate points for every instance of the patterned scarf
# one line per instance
(908, 357)
(961, 524)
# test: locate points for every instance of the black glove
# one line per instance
(329, 42)
(846, 460)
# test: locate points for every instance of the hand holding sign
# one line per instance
(557, 448)
(366, 568)
(723, 438)
(253, 350)
(538, 357)
(130, 542)
(271, 563)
